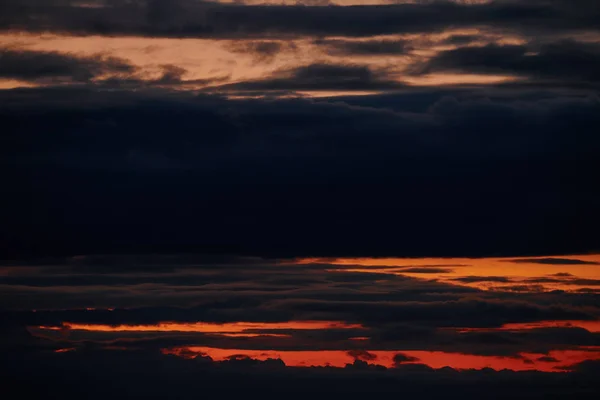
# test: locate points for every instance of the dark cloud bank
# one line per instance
(319, 77)
(149, 375)
(418, 172)
(58, 68)
(559, 61)
(187, 18)
(35, 66)
(465, 171)
(394, 311)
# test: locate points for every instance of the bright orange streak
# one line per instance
(51, 328)
(520, 274)
(591, 326)
(453, 79)
(208, 327)
(554, 361)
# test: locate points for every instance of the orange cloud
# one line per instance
(574, 274)
(230, 328)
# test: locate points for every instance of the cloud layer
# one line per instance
(420, 172)
(206, 19)
(127, 318)
(306, 141)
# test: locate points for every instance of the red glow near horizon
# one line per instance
(229, 328)
(554, 361)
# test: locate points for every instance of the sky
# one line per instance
(361, 196)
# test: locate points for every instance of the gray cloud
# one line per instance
(51, 67)
(371, 47)
(431, 143)
(320, 77)
(564, 61)
(263, 51)
(461, 39)
(205, 19)
(401, 358)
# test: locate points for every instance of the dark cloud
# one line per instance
(263, 51)
(396, 313)
(572, 281)
(207, 19)
(564, 61)
(371, 47)
(320, 77)
(547, 359)
(553, 261)
(476, 279)
(362, 355)
(588, 290)
(172, 285)
(401, 358)
(464, 312)
(588, 367)
(342, 163)
(242, 361)
(360, 365)
(171, 74)
(426, 270)
(536, 283)
(461, 39)
(503, 171)
(523, 288)
(393, 310)
(385, 337)
(98, 374)
(55, 67)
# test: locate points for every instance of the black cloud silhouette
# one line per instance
(132, 156)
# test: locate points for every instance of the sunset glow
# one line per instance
(524, 274)
(554, 361)
(305, 198)
(231, 329)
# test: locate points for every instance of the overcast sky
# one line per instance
(297, 194)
